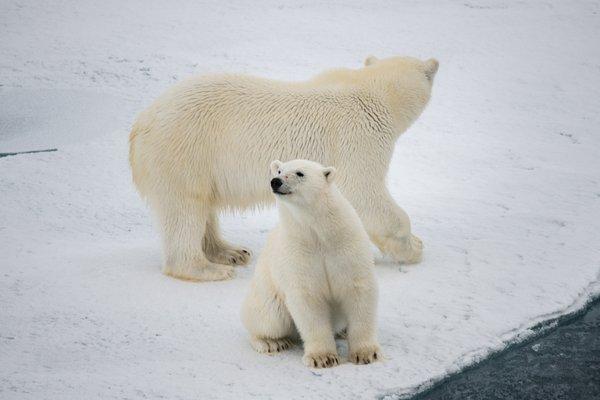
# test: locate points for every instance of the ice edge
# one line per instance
(536, 328)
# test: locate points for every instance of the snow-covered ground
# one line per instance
(501, 177)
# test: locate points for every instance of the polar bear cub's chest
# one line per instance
(319, 268)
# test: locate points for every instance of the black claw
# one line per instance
(315, 361)
(375, 356)
(245, 251)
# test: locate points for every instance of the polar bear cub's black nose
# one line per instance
(276, 183)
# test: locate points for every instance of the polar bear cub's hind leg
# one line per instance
(267, 319)
(265, 345)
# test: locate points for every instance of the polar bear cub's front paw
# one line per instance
(365, 354)
(321, 359)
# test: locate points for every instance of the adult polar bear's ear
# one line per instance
(370, 60)
(275, 167)
(329, 173)
(431, 67)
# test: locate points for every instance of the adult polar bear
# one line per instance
(205, 146)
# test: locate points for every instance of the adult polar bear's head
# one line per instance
(300, 181)
(397, 67)
(402, 83)
(407, 80)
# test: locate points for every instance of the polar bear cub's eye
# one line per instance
(278, 172)
(300, 174)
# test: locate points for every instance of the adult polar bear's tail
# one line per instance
(138, 170)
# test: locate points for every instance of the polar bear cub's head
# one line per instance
(300, 181)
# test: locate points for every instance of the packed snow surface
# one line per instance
(500, 175)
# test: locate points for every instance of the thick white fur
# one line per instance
(203, 145)
(315, 275)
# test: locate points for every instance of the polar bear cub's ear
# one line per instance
(329, 173)
(275, 167)
(370, 60)
(431, 67)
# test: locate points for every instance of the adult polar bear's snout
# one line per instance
(189, 148)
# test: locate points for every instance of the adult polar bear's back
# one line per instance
(205, 145)
(241, 122)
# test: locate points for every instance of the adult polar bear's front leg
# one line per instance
(388, 225)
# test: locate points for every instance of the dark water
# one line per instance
(562, 364)
(26, 152)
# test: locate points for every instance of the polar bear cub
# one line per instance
(315, 275)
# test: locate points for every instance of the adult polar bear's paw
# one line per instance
(365, 354)
(270, 346)
(229, 255)
(407, 250)
(207, 273)
(416, 249)
(321, 360)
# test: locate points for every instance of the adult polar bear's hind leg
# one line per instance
(192, 246)
(217, 249)
(184, 222)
